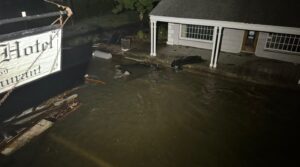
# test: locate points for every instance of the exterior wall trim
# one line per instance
(228, 24)
(280, 51)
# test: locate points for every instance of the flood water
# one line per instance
(156, 117)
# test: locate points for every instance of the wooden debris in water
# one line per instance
(90, 79)
(68, 99)
(17, 126)
(26, 137)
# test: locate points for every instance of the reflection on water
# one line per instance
(157, 117)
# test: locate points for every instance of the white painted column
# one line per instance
(151, 29)
(154, 37)
(213, 47)
(218, 46)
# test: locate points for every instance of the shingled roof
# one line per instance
(265, 12)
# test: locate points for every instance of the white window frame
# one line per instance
(281, 50)
(193, 39)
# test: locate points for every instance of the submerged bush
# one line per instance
(140, 35)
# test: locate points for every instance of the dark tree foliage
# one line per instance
(141, 6)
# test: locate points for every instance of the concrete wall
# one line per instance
(283, 56)
(232, 39)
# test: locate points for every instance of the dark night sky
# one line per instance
(13, 8)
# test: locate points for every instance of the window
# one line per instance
(283, 42)
(197, 32)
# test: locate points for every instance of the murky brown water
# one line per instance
(161, 118)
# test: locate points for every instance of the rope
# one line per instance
(62, 24)
(66, 8)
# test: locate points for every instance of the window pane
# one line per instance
(197, 32)
(284, 42)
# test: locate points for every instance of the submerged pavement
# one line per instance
(241, 66)
(159, 117)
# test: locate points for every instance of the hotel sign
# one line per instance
(29, 55)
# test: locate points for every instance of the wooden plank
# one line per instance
(26, 137)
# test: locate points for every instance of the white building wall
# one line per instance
(283, 56)
(232, 39)
(232, 42)
(172, 39)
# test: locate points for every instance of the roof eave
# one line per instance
(228, 24)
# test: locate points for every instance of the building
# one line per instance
(265, 28)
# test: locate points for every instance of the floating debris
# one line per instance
(26, 112)
(91, 79)
(126, 73)
(23, 114)
(102, 55)
(41, 107)
(120, 73)
(20, 129)
(9, 119)
(68, 99)
(26, 137)
(27, 119)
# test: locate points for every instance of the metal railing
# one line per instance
(33, 17)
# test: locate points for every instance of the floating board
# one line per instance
(26, 137)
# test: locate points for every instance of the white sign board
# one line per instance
(29, 58)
